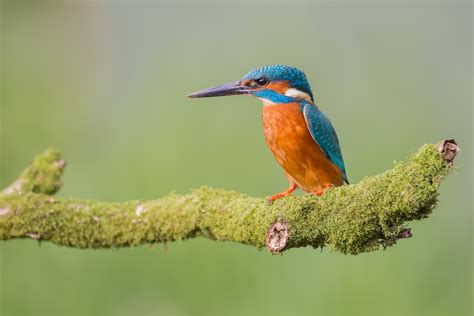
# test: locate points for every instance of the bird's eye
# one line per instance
(261, 81)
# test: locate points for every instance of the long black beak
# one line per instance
(232, 88)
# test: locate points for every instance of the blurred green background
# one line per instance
(105, 82)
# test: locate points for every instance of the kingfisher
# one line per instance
(299, 135)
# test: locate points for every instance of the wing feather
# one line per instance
(324, 135)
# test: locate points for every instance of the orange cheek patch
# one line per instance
(279, 86)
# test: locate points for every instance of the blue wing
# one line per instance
(324, 135)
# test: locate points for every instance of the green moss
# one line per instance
(42, 176)
(351, 219)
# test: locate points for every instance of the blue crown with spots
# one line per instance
(295, 77)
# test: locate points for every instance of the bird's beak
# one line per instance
(232, 88)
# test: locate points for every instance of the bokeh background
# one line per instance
(106, 83)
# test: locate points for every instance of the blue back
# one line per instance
(324, 135)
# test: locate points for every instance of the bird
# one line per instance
(300, 136)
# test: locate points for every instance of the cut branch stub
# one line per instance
(449, 149)
(277, 237)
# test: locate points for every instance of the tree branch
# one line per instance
(351, 219)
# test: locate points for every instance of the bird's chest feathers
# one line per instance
(291, 143)
(285, 130)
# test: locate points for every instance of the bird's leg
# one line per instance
(287, 192)
(325, 187)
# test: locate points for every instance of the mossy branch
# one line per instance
(351, 219)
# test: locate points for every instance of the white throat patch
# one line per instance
(266, 102)
(295, 93)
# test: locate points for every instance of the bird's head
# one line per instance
(271, 84)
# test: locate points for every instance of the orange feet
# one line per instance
(325, 187)
(288, 191)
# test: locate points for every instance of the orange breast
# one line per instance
(291, 143)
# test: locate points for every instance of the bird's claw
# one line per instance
(288, 191)
(277, 196)
(272, 198)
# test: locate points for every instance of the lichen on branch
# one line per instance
(351, 219)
